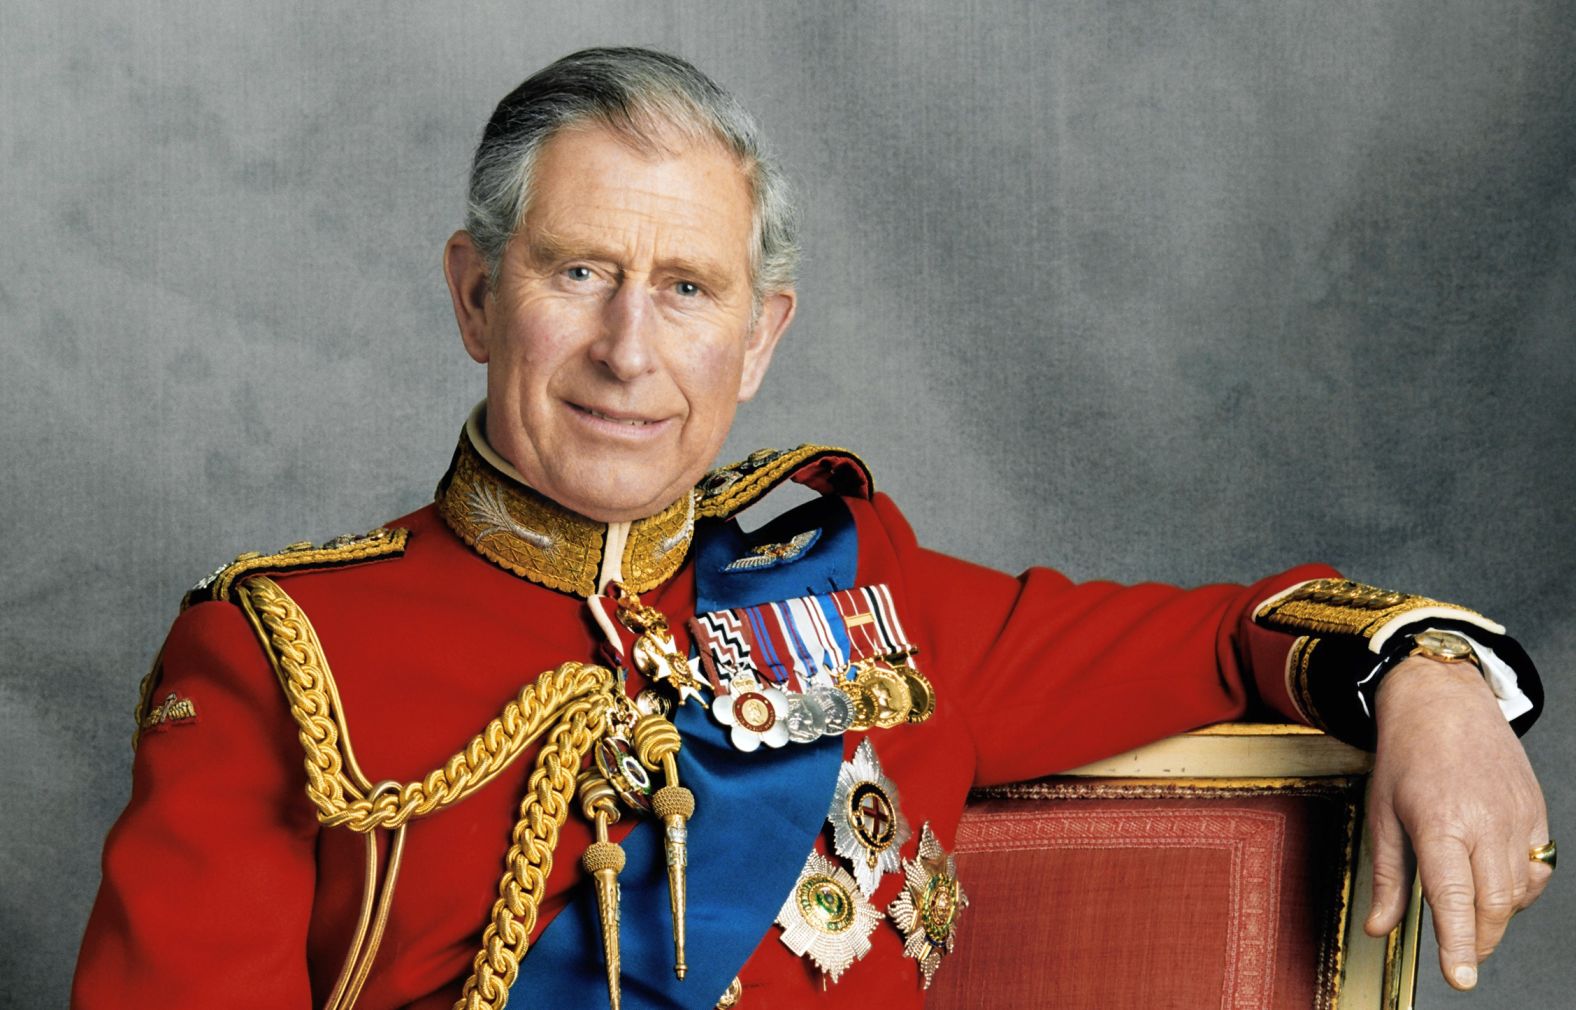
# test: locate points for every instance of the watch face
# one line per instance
(1445, 645)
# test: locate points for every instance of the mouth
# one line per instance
(633, 422)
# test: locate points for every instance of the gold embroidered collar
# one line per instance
(486, 503)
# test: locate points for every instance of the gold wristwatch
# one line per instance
(1445, 647)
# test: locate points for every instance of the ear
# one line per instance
(469, 289)
(775, 315)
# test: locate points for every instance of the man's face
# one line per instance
(619, 338)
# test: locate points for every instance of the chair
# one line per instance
(1227, 867)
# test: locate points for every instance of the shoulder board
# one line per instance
(729, 489)
(336, 553)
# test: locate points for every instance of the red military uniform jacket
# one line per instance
(221, 888)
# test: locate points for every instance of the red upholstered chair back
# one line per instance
(1218, 869)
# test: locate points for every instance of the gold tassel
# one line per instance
(657, 745)
(603, 860)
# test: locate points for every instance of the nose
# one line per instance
(625, 346)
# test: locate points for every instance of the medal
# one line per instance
(755, 713)
(868, 828)
(655, 654)
(889, 697)
(826, 918)
(835, 704)
(862, 711)
(927, 909)
(806, 718)
(649, 702)
(845, 652)
(921, 692)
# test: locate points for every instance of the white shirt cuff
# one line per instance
(1501, 679)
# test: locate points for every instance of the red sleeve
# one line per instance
(1052, 674)
(208, 874)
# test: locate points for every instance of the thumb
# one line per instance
(1392, 870)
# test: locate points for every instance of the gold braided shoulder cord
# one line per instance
(572, 701)
(341, 798)
(752, 476)
(298, 661)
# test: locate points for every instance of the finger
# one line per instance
(1495, 894)
(1446, 871)
(1392, 872)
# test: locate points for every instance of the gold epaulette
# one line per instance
(729, 489)
(338, 552)
(1343, 607)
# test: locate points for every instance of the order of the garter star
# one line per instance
(868, 826)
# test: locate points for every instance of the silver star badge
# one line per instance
(927, 909)
(826, 918)
(868, 827)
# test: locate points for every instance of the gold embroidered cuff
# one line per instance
(1298, 664)
(1343, 607)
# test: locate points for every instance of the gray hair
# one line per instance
(639, 94)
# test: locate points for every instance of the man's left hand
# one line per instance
(1452, 784)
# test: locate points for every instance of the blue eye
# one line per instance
(689, 289)
(578, 273)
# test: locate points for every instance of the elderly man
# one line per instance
(700, 766)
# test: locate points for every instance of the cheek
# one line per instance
(710, 375)
(539, 335)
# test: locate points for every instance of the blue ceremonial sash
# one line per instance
(756, 815)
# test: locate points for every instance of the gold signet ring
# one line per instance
(1544, 853)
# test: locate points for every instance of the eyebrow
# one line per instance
(542, 248)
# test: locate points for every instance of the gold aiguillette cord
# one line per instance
(657, 741)
(657, 746)
(363, 947)
(603, 860)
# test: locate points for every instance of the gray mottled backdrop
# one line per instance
(1168, 289)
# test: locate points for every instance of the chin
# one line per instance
(619, 501)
